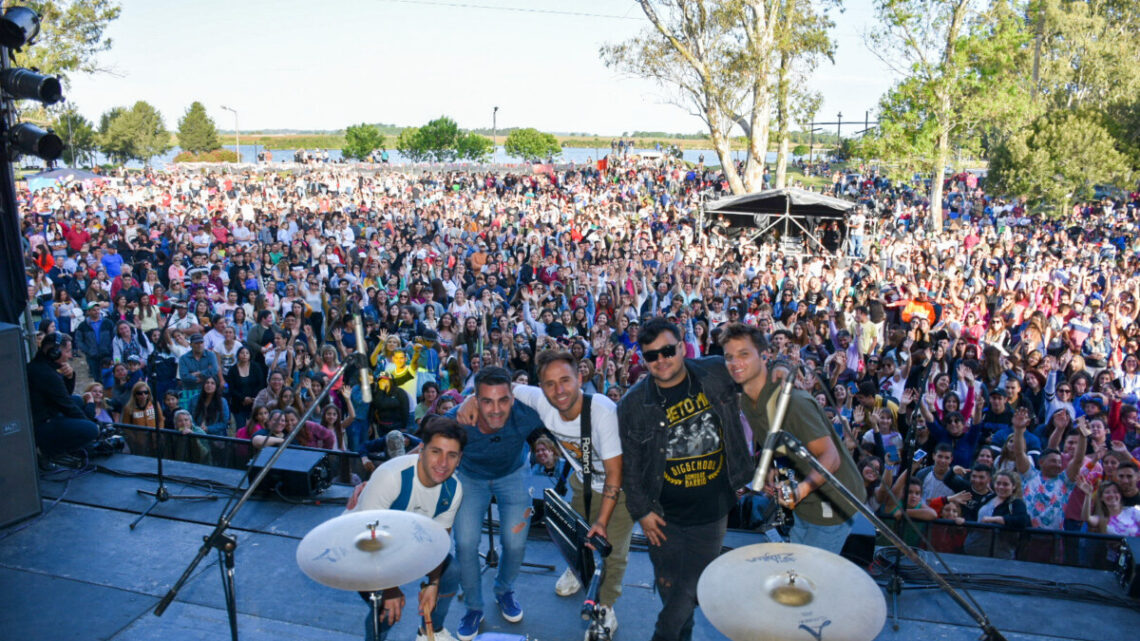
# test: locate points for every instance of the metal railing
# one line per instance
(226, 451)
(1037, 545)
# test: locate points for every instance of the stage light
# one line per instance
(18, 26)
(28, 139)
(26, 84)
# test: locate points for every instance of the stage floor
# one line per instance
(79, 572)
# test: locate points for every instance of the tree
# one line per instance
(196, 130)
(138, 133)
(361, 140)
(960, 68)
(71, 36)
(78, 135)
(441, 141)
(113, 144)
(1059, 160)
(437, 139)
(472, 146)
(717, 56)
(407, 143)
(531, 144)
(801, 42)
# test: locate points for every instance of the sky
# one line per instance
(285, 64)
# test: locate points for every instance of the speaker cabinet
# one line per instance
(298, 473)
(19, 478)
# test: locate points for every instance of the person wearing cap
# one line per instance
(95, 338)
(194, 368)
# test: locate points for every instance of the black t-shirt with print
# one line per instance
(696, 488)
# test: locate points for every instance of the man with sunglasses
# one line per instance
(684, 455)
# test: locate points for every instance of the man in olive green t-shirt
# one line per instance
(823, 519)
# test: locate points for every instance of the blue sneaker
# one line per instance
(509, 607)
(469, 625)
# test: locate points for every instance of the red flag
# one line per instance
(604, 164)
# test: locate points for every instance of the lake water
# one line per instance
(577, 155)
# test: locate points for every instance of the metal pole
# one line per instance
(237, 134)
(494, 134)
(811, 142)
(838, 132)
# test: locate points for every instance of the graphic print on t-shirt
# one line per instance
(694, 452)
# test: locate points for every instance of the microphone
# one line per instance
(364, 369)
(759, 479)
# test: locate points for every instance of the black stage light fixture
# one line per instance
(25, 84)
(28, 139)
(18, 26)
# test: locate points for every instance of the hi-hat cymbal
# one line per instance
(372, 550)
(789, 592)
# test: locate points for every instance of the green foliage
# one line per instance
(441, 141)
(1058, 160)
(196, 130)
(137, 133)
(214, 155)
(71, 36)
(531, 144)
(361, 140)
(407, 143)
(78, 135)
(472, 146)
(800, 150)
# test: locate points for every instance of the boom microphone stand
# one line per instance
(161, 494)
(799, 451)
(225, 543)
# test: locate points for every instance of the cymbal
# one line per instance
(789, 592)
(372, 550)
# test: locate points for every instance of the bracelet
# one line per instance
(426, 584)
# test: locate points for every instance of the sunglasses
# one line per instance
(651, 355)
(142, 393)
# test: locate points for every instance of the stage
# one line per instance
(79, 572)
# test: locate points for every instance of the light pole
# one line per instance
(494, 134)
(237, 133)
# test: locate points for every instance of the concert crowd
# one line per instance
(221, 301)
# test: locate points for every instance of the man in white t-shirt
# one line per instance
(559, 403)
(425, 484)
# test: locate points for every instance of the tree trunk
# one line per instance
(758, 142)
(941, 156)
(723, 147)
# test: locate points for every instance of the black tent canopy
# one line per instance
(790, 206)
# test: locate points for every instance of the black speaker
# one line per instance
(859, 548)
(19, 479)
(298, 473)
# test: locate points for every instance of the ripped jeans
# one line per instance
(677, 566)
(515, 509)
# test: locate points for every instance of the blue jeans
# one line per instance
(857, 245)
(448, 584)
(61, 435)
(824, 537)
(515, 509)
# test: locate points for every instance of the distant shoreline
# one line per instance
(336, 141)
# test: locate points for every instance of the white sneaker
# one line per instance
(567, 584)
(609, 620)
(440, 635)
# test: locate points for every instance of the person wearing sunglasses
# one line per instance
(684, 455)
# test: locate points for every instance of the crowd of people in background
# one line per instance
(223, 302)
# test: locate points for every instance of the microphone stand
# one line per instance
(225, 543)
(799, 451)
(895, 582)
(161, 494)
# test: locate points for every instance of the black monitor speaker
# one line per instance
(19, 479)
(298, 473)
